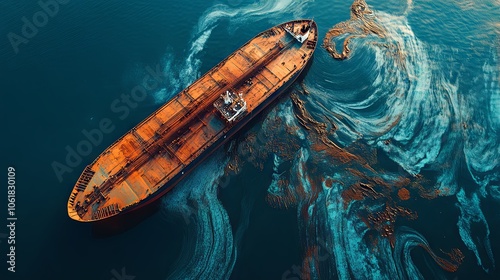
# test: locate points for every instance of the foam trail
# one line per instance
(285, 112)
(213, 254)
(425, 116)
(409, 7)
(482, 138)
(188, 71)
(302, 177)
(258, 10)
(273, 188)
(406, 109)
(492, 81)
(352, 255)
(180, 76)
(209, 251)
(478, 241)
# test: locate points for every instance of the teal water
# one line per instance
(436, 115)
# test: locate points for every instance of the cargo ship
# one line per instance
(156, 154)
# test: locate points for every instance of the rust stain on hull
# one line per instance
(147, 161)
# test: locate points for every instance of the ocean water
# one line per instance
(394, 174)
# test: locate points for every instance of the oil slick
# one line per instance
(325, 153)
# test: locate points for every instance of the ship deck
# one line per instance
(143, 160)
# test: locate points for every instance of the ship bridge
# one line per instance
(231, 105)
(301, 34)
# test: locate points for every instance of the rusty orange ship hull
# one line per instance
(156, 154)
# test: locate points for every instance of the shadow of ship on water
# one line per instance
(121, 223)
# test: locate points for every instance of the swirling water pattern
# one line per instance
(209, 251)
(384, 165)
(423, 108)
(393, 96)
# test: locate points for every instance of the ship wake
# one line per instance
(179, 73)
(208, 249)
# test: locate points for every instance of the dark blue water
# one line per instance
(421, 103)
